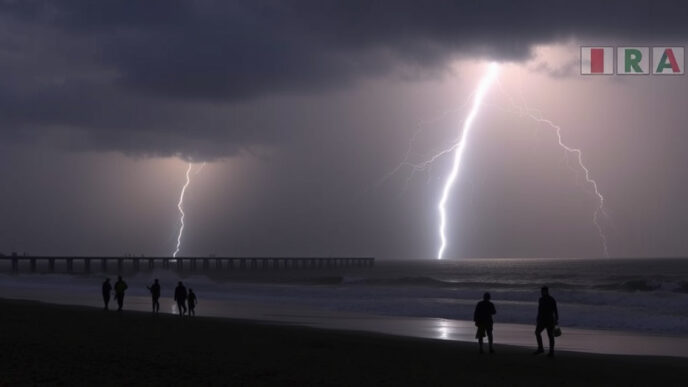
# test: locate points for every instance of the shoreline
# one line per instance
(597, 341)
(59, 344)
(639, 301)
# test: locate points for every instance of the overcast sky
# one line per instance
(302, 109)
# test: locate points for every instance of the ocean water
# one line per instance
(629, 296)
(643, 295)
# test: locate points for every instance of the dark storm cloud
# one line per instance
(165, 77)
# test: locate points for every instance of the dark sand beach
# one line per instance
(45, 344)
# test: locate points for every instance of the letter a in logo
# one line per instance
(667, 60)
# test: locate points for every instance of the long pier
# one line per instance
(69, 264)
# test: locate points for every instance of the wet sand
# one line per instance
(43, 344)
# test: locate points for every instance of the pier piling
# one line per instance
(128, 264)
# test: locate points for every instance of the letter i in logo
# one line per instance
(597, 60)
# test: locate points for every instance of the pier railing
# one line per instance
(69, 264)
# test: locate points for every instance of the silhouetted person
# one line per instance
(547, 318)
(107, 291)
(483, 320)
(180, 296)
(120, 288)
(155, 294)
(191, 300)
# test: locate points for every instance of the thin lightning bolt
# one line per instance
(180, 206)
(417, 167)
(200, 168)
(579, 157)
(426, 164)
(458, 153)
(599, 210)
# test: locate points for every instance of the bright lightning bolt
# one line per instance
(458, 153)
(180, 207)
(459, 145)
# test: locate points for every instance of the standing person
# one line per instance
(107, 291)
(192, 302)
(120, 288)
(547, 318)
(483, 320)
(155, 294)
(180, 296)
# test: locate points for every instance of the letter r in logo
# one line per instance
(633, 60)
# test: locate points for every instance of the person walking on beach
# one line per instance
(547, 318)
(107, 291)
(483, 320)
(155, 294)
(191, 300)
(180, 296)
(120, 288)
